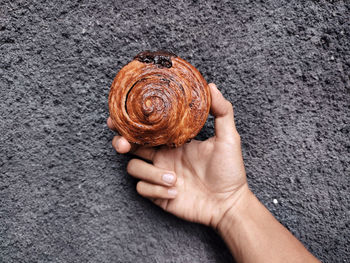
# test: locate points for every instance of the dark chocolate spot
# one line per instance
(165, 80)
(161, 57)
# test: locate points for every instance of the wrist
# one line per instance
(237, 209)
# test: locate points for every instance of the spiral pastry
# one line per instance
(159, 98)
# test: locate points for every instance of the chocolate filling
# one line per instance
(161, 57)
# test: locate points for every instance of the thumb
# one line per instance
(222, 110)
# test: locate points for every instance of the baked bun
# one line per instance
(159, 98)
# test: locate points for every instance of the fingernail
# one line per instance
(172, 192)
(168, 178)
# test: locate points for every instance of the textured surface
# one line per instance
(64, 192)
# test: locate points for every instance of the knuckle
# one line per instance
(207, 146)
(235, 139)
(228, 106)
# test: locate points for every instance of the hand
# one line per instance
(199, 181)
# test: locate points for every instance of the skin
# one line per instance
(210, 187)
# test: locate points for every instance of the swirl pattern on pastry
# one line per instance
(159, 98)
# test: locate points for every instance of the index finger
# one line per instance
(122, 145)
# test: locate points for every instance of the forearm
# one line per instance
(254, 235)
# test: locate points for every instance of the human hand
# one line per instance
(199, 181)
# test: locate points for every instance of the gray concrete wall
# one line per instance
(64, 192)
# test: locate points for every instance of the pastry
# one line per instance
(159, 98)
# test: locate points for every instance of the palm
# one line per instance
(209, 173)
(200, 186)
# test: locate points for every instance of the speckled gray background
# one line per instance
(64, 192)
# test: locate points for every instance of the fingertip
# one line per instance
(121, 145)
(110, 123)
(212, 86)
(214, 92)
(219, 105)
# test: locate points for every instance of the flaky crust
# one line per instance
(154, 103)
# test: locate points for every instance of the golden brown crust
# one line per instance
(151, 104)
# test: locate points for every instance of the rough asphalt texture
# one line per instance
(64, 192)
